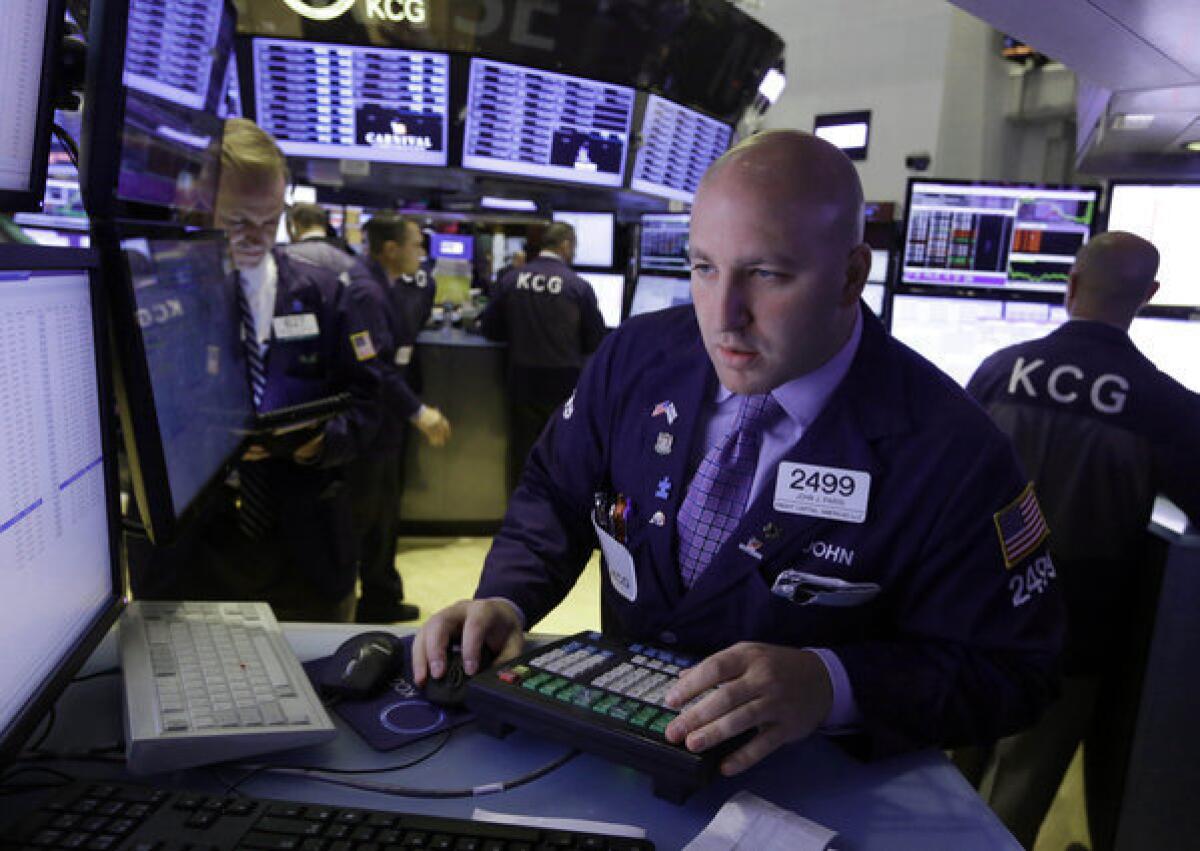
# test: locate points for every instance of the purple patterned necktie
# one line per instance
(717, 495)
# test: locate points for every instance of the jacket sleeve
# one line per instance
(361, 356)
(975, 655)
(492, 321)
(546, 537)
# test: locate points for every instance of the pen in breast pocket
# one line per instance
(622, 507)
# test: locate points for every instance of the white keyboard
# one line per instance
(210, 682)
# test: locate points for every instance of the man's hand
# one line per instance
(782, 691)
(310, 452)
(493, 621)
(255, 452)
(432, 424)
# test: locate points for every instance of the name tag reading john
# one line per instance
(296, 326)
(828, 492)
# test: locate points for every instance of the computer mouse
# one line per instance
(364, 666)
(451, 690)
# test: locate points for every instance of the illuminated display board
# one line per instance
(532, 123)
(364, 103)
(678, 144)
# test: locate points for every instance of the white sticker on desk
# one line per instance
(829, 492)
(404, 355)
(621, 572)
(296, 326)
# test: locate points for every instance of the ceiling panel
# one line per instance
(1173, 26)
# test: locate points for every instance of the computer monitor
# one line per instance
(996, 235)
(957, 334)
(1173, 345)
(29, 50)
(532, 123)
(1165, 214)
(378, 104)
(880, 260)
(59, 565)
(875, 296)
(658, 292)
(156, 84)
(663, 246)
(677, 145)
(182, 390)
(609, 288)
(593, 236)
(451, 246)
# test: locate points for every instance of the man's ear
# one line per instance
(858, 268)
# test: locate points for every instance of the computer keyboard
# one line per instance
(603, 696)
(207, 682)
(124, 817)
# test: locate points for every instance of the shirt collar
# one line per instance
(804, 398)
(545, 252)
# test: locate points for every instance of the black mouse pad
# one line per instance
(398, 716)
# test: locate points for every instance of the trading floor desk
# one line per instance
(918, 801)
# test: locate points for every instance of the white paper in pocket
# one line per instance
(620, 564)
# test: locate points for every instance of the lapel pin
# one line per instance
(664, 443)
(658, 519)
(771, 531)
(666, 409)
(751, 548)
(664, 488)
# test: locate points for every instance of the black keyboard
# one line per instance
(123, 817)
(601, 696)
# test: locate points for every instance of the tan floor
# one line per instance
(438, 571)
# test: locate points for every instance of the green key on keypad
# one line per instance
(587, 696)
(554, 685)
(567, 695)
(602, 706)
(660, 723)
(536, 680)
(623, 710)
(643, 716)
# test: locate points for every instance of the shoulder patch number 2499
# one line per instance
(1033, 580)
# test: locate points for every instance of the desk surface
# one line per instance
(916, 801)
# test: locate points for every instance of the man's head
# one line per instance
(395, 242)
(560, 238)
(518, 259)
(778, 262)
(305, 220)
(1112, 279)
(250, 194)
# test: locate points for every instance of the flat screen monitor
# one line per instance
(379, 104)
(663, 246)
(58, 544)
(873, 295)
(163, 147)
(677, 146)
(996, 235)
(880, 260)
(451, 246)
(1165, 214)
(1173, 345)
(957, 334)
(593, 237)
(850, 131)
(28, 53)
(183, 393)
(658, 292)
(532, 123)
(609, 288)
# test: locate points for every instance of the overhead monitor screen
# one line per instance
(610, 295)
(1166, 215)
(655, 292)
(452, 246)
(957, 334)
(362, 103)
(22, 43)
(532, 123)
(176, 58)
(593, 237)
(186, 310)
(677, 146)
(1015, 237)
(56, 571)
(664, 242)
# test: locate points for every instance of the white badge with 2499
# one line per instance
(832, 493)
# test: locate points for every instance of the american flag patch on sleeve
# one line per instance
(1020, 527)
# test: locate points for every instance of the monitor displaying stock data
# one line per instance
(663, 246)
(658, 292)
(532, 123)
(995, 235)
(593, 236)
(677, 145)
(361, 103)
(1166, 214)
(26, 55)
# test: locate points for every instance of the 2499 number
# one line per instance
(818, 482)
